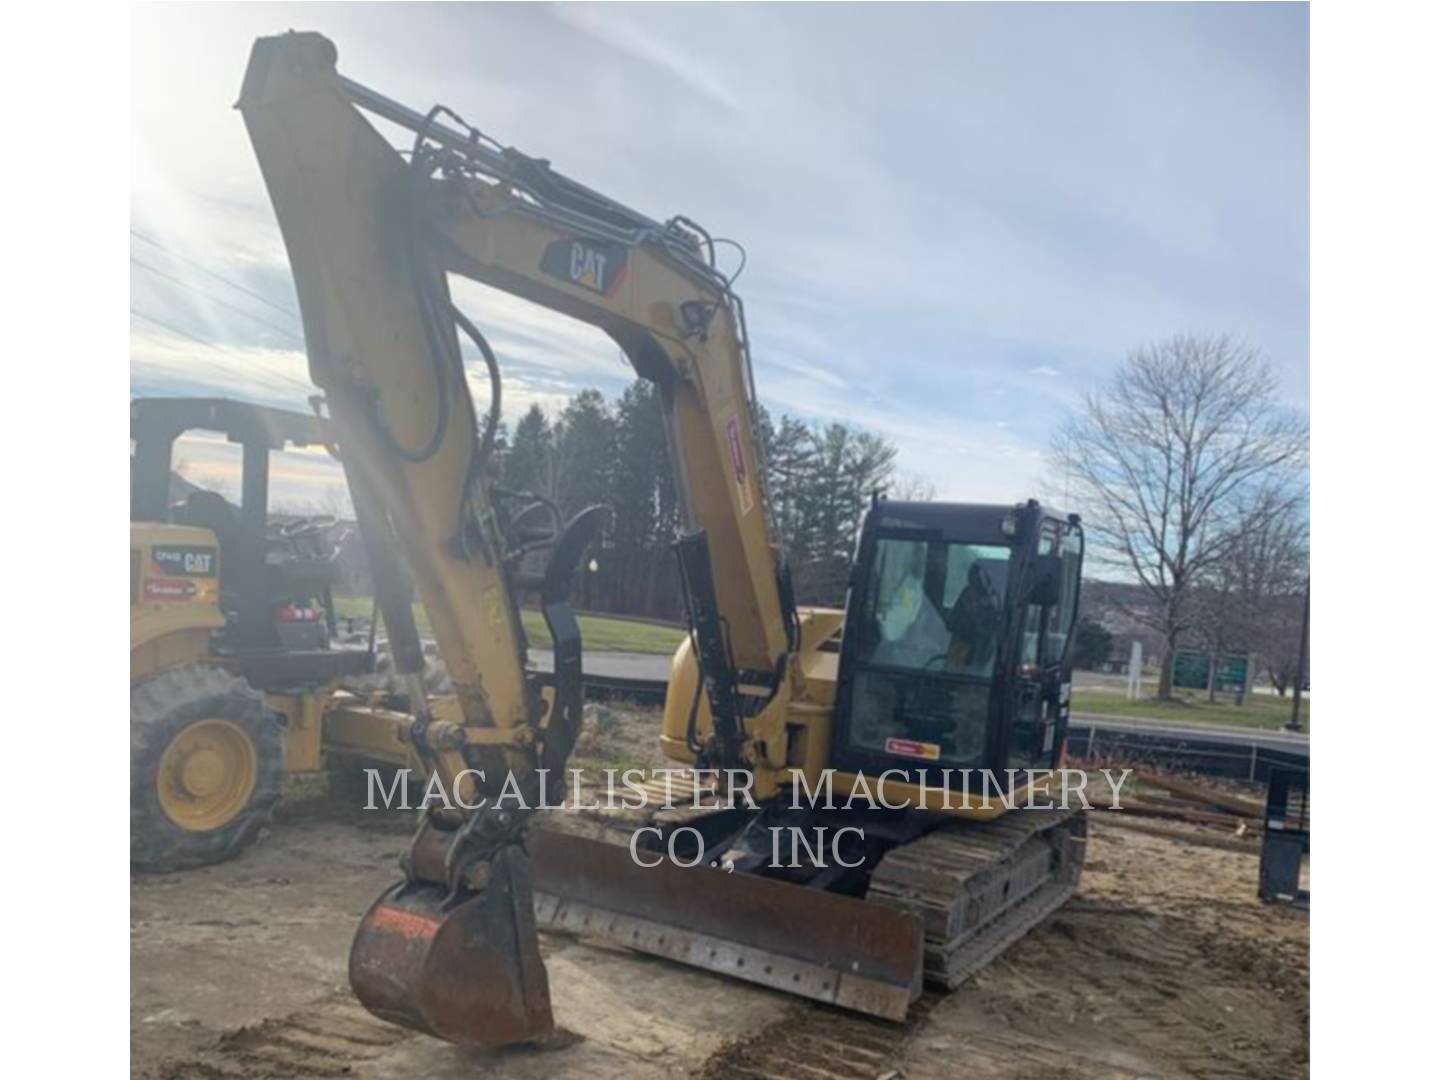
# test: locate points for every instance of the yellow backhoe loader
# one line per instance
(950, 660)
(238, 673)
(221, 706)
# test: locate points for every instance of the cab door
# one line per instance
(924, 638)
(1043, 669)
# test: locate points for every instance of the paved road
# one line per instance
(652, 667)
(1289, 742)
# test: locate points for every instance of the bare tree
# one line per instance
(1271, 564)
(1164, 462)
(1251, 600)
(911, 487)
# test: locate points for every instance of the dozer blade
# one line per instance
(861, 956)
(469, 973)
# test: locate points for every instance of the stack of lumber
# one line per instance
(1167, 797)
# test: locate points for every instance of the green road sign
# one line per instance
(1231, 672)
(1192, 669)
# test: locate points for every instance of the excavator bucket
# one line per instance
(837, 949)
(466, 970)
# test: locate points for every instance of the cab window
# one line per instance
(935, 606)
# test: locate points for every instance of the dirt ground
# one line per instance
(1163, 965)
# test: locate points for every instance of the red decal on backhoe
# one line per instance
(169, 589)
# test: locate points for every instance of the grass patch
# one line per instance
(1259, 710)
(611, 635)
(599, 633)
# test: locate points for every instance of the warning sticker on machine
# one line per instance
(182, 573)
(159, 588)
(737, 460)
(910, 748)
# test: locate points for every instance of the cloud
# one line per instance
(519, 330)
(160, 359)
(681, 60)
(302, 479)
(957, 217)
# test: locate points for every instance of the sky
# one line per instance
(958, 218)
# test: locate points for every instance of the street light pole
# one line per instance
(1294, 722)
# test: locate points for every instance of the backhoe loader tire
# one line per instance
(207, 760)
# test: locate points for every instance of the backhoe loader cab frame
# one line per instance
(235, 680)
(255, 576)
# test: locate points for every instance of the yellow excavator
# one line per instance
(951, 660)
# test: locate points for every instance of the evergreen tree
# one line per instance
(644, 505)
(584, 476)
(792, 455)
(820, 481)
(530, 457)
(584, 452)
(1093, 644)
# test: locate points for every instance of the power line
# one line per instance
(305, 388)
(173, 329)
(216, 300)
(211, 273)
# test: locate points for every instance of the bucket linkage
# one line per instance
(452, 950)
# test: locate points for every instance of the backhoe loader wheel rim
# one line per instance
(207, 775)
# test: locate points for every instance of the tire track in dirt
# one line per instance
(328, 1039)
(1163, 967)
(818, 1042)
(1126, 993)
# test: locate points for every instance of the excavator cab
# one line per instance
(956, 653)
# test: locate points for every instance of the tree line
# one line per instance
(820, 478)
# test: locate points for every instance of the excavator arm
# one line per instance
(372, 238)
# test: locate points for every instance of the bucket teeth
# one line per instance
(467, 970)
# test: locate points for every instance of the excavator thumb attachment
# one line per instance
(465, 969)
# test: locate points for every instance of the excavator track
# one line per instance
(981, 886)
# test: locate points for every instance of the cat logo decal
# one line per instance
(596, 265)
